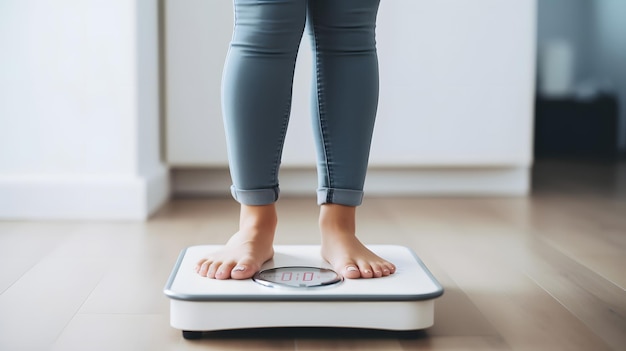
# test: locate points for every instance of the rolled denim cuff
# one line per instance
(255, 197)
(345, 197)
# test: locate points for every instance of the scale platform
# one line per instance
(297, 288)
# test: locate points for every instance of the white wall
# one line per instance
(79, 116)
(457, 83)
(197, 34)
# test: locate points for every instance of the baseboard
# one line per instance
(100, 197)
(463, 181)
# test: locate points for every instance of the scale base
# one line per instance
(403, 301)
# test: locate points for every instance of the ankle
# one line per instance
(337, 219)
(258, 219)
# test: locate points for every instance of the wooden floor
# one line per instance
(546, 272)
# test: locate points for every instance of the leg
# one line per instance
(256, 93)
(346, 99)
(256, 99)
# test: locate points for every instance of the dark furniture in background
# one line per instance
(572, 128)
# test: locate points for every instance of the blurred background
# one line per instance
(110, 108)
(498, 157)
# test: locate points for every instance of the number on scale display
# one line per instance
(298, 277)
(304, 276)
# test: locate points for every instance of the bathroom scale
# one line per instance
(298, 288)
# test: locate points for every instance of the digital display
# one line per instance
(297, 277)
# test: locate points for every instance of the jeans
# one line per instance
(257, 87)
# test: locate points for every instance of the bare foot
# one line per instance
(343, 250)
(247, 250)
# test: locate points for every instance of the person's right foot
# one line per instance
(247, 250)
(240, 258)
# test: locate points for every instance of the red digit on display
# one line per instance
(308, 276)
(286, 277)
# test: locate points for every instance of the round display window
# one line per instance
(297, 277)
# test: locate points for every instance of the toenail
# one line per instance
(351, 269)
(239, 268)
(367, 271)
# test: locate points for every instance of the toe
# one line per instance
(377, 270)
(240, 271)
(223, 271)
(243, 270)
(350, 271)
(198, 265)
(204, 268)
(390, 267)
(213, 268)
(366, 270)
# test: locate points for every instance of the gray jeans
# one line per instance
(257, 86)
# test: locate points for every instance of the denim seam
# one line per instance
(281, 142)
(283, 131)
(321, 112)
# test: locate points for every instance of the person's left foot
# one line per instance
(344, 251)
(350, 258)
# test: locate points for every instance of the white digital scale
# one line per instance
(297, 288)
